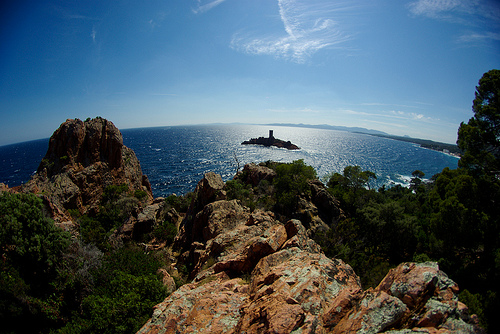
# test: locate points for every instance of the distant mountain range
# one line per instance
(430, 144)
(332, 127)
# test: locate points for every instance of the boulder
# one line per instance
(219, 217)
(210, 306)
(431, 297)
(253, 174)
(376, 312)
(295, 282)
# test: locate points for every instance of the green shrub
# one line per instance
(31, 249)
(165, 231)
(292, 180)
(126, 287)
(140, 194)
(179, 203)
(114, 192)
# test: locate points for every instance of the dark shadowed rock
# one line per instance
(328, 206)
(271, 141)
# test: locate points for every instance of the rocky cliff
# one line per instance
(83, 158)
(252, 273)
(249, 270)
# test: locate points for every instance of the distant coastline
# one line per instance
(425, 143)
(450, 149)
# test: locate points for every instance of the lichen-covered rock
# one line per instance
(210, 306)
(219, 217)
(411, 282)
(297, 237)
(431, 298)
(254, 274)
(297, 282)
(239, 249)
(373, 314)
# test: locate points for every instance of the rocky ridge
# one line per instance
(252, 273)
(83, 158)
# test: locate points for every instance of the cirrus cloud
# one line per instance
(308, 27)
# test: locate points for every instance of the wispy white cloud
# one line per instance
(454, 9)
(479, 37)
(308, 28)
(441, 8)
(93, 34)
(157, 20)
(204, 6)
(391, 124)
(395, 114)
(483, 15)
(387, 104)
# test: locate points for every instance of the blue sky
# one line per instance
(403, 67)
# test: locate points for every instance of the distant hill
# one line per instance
(331, 127)
(430, 144)
(426, 143)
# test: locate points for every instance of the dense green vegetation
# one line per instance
(31, 284)
(453, 219)
(51, 282)
(281, 195)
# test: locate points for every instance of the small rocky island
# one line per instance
(271, 141)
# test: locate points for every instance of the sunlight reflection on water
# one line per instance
(175, 158)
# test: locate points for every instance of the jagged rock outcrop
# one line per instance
(208, 190)
(253, 174)
(84, 158)
(145, 221)
(251, 273)
(319, 211)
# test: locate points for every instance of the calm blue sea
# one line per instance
(175, 158)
